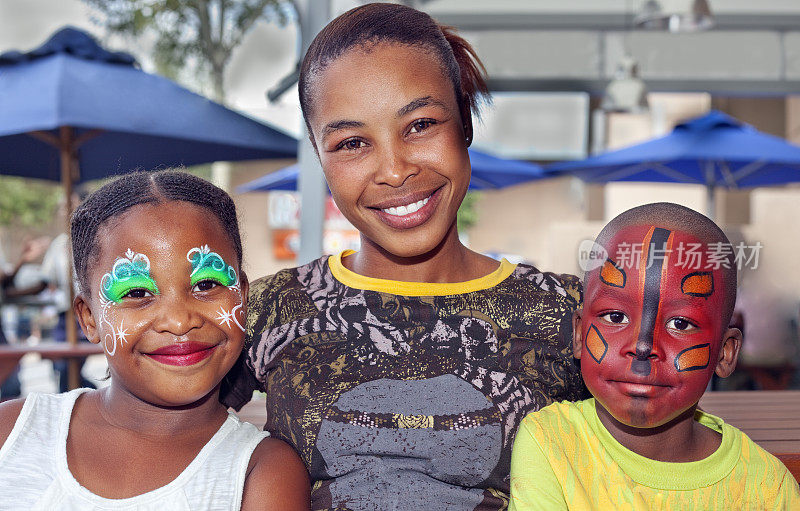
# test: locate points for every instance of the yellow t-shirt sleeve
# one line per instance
(788, 496)
(534, 485)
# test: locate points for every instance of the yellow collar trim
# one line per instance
(396, 287)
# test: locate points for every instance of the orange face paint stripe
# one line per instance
(613, 275)
(596, 345)
(693, 358)
(700, 283)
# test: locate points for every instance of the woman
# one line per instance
(401, 372)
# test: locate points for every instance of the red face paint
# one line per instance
(651, 325)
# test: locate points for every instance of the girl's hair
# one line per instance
(136, 188)
(393, 23)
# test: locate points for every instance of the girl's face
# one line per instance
(166, 302)
(391, 141)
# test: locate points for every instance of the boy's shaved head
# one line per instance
(676, 217)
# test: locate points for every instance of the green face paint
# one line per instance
(128, 273)
(208, 265)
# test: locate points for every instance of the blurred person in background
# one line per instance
(31, 252)
(55, 274)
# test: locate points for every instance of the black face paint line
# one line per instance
(651, 297)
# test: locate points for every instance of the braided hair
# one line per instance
(136, 188)
(392, 23)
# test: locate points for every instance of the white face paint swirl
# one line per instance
(208, 265)
(129, 272)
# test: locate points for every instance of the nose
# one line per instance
(643, 348)
(395, 165)
(177, 314)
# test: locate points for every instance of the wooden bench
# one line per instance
(11, 354)
(770, 418)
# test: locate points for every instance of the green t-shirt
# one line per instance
(564, 458)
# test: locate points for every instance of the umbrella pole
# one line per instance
(711, 197)
(67, 162)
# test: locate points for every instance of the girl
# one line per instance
(158, 259)
(400, 373)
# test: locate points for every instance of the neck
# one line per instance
(124, 410)
(449, 261)
(693, 441)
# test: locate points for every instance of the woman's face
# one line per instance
(391, 141)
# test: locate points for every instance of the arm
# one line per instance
(32, 251)
(276, 479)
(9, 411)
(788, 493)
(534, 485)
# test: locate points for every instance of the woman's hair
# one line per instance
(136, 188)
(393, 23)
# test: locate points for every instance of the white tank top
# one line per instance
(34, 473)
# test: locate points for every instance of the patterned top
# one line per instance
(564, 458)
(401, 395)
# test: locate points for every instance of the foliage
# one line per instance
(467, 212)
(202, 33)
(26, 203)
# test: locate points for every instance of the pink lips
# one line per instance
(633, 388)
(182, 354)
(414, 219)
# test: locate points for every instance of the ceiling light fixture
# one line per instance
(675, 15)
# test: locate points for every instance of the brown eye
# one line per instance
(351, 144)
(421, 125)
(615, 317)
(681, 324)
(205, 285)
(139, 292)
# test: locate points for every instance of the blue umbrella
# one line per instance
(488, 172)
(71, 102)
(712, 150)
(72, 111)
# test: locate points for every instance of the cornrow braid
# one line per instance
(136, 188)
(392, 23)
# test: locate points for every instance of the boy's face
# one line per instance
(650, 333)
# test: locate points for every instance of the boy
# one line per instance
(652, 332)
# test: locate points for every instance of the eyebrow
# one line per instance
(340, 125)
(419, 103)
(415, 104)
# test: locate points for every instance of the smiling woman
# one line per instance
(400, 372)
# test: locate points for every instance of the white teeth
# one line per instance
(407, 209)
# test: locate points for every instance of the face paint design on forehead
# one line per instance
(652, 266)
(128, 273)
(208, 265)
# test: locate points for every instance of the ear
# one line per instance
(577, 338)
(729, 352)
(244, 285)
(83, 312)
(466, 117)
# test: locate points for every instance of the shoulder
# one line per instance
(271, 284)
(276, 478)
(557, 417)
(9, 413)
(564, 287)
